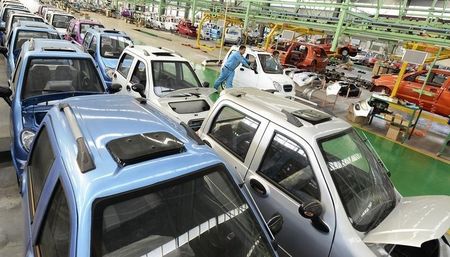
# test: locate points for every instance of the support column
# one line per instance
(247, 14)
(340, 25)
(400, 75)
(377, 12)
(431, 11)
(194, 10)
(429, 71)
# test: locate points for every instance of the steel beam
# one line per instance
(340, 25)
(194, 10)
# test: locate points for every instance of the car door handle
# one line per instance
(241, 69)
(258, 187)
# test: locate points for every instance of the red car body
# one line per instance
(302, 55)
(436, 99)
(345, 50)
(185, 27)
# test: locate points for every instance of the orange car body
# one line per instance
(302, 55)
(435, 99)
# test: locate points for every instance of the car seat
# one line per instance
(37, 79)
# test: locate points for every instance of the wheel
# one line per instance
(344, 52)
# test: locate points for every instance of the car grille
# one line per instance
(195, 124)
(287, 88)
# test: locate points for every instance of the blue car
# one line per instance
(112, 176)
(106, 46)
(21, 32)
(48, 70)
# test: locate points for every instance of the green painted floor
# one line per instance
(413, 173)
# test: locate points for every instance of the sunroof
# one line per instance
(143, 147)
(163, 54)
(312, 116)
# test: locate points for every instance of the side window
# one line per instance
(93, 45)
(286, 164)
(234, 130)
(252, 60)
(41, 161)
(139, 75)
(125, 64)
(54, 234)
(87, 40)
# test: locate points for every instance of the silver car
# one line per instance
(322, 177)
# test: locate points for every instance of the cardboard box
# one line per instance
(394, 133)
(405, 123)
(356, 119)
(389, 117)
(398, 119)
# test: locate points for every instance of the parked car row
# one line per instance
(115, 170)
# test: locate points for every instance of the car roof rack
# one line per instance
(291, 118)
(144, 147)
(84, 157)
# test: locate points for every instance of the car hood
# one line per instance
(280, 78)
(413, 221)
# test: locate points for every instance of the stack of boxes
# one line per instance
(398, 127)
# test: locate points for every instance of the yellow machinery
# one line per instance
(276, 28)
(229, 20)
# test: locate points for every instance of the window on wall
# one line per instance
(125, 64)
(234, 130)
(286, 165)
(54, 235)
(41, 161)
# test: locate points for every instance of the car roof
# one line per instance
(155, 53)
(106, 31)
(274, 108)
(33, 25)
(53, 47)
(103, 118)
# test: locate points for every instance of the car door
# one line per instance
(48, 205)
(139, 75)
(87, 40)
(123, 71)
(234, 133)
(283, 175)
(246, 77)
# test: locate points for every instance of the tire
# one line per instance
(344, 52)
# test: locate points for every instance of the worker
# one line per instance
(276, 56)
(233, 61)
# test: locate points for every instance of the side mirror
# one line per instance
(6, 93)
(205, 84)
(312, 209)
(115, 88)
(4, 51)
(275, 223)
(139, 88)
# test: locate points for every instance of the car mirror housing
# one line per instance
(139, 88)
(5, 93)
(312, 209)
(115, 88)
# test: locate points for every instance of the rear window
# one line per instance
(61, 20)
(201, 215)
(56, 75)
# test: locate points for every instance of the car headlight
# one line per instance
(277, 86)
(26, 137)
(110, 72)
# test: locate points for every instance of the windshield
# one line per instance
(202, 215)
(56, 75)
(233, 32)
(61, 20)
(24, 35)
(169, 76)
(17, 18)
(361, 180)
(269, 64)
(112, 46)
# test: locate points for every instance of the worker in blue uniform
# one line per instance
(233, 61)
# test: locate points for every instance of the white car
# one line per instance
(325, 180)
(59, 20)
(233, 35)
(265, 73)
(166, 80)
(171, 23)
(157, 22)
